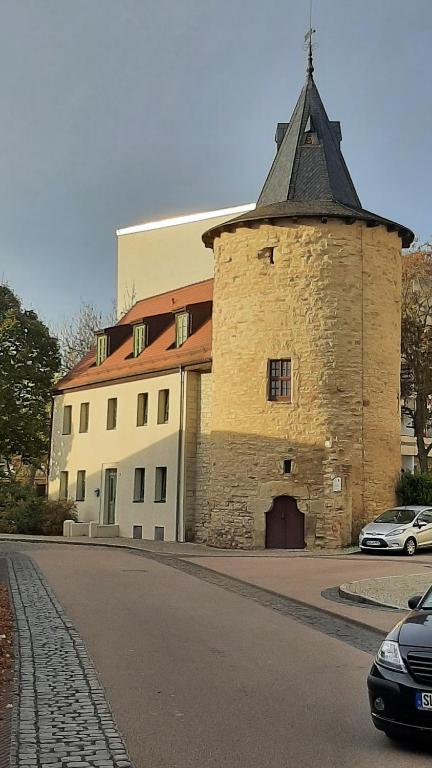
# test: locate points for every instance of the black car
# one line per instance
(400, 681)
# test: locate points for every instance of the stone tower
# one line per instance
(305, 419)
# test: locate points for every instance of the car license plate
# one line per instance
(373, 543)
(423, 700)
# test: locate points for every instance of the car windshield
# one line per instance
(427, 603)
(400, 516)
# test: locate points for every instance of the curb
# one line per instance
(347, 594)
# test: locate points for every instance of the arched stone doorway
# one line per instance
(285, 525)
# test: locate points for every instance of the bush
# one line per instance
(414, 489)
(54, 513)
(22, 511)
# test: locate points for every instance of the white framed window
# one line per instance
(142, 409)
(160, 484)
(112, 413)
(163, 406)
(139, 338)
(139, 484)
(80, 485)
(182, 327)
(64, 484)
(101, 348)
(84, 417)
(67, 420)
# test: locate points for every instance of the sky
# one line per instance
(115, 112)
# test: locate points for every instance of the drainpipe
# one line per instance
(179, 454)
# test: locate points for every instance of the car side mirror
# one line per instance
(414, 601)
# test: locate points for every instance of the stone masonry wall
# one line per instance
(192, 395)
(330, 302)
(197, 455)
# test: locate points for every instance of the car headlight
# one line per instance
(389, 656)
(395, 532)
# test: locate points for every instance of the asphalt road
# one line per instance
(200, 677)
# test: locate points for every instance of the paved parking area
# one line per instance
(306, 578)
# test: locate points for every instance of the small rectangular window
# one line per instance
(161, 484)
(142, 409)
(84, 417)
(182, 328)
(139, 338)
(279, 387)
(67, 420)
(112, 413)
(137, 531)
(163, 406)
(64, 482)
(80, 485)
(159, 533)
(139, 484)
(287, 466)
(101, 348)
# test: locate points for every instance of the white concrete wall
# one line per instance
(123, 448)
(159, 256)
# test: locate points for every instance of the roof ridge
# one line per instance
(165, 293)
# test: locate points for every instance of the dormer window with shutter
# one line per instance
(140, 336)
(101, 348)
(182, 327)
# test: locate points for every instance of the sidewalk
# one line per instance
(176, 547)
(390, 591)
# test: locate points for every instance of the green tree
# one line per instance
(416, 349)
(29, 361)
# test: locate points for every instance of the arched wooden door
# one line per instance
(284, 525)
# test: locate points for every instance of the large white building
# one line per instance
(128, 430)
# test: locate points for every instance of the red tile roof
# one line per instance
(161, 354)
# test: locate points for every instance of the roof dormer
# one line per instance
(110, 339)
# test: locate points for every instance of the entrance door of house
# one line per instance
(110, 496)
(284, 525)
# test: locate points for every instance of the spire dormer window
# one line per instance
(101, 348)
(140, 338)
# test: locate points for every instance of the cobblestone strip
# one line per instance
(63, 718)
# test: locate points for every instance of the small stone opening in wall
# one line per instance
(287, 466)
(159, 533)
(267, 254)
(137, 532)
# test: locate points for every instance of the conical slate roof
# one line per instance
(309, 164)
(309, 177)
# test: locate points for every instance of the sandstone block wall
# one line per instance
(329, 299)
(197, 455)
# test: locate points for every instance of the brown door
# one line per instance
(284, 525)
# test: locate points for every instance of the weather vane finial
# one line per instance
(308, 41)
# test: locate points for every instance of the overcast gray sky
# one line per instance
(118, 111)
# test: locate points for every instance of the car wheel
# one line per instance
(410, 547)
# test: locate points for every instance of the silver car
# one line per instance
(402, 528)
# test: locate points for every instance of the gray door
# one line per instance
(110, 496)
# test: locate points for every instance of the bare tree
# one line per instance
(76, 336)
